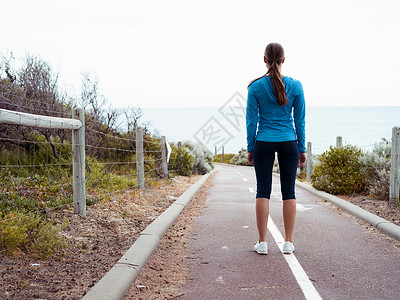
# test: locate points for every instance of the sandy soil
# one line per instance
(384, 209)
(96, 243)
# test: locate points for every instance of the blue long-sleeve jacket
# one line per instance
(267, 121)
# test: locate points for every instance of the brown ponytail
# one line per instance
(274, 55)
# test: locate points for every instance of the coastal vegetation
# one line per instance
(240, 158)
(348, 170)
(339, 171)
(36, 163)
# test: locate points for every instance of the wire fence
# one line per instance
(32, 184)
(36, 177)
(372, 169)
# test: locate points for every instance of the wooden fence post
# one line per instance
(339, 142)
(139, 157)
(309, 161)
(164, 164)
(395, 166)
(78, 153)
(223, 158)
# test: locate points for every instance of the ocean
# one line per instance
(225, 126)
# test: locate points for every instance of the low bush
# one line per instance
(227, 158)
(31, 233)
(181, 161)
(339, 171)
(375, 167)
(240, 158)
(202, 157)
(39, 159)
(98, 176)
(32, 193)
(301, 173)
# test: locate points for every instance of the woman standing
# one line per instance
(275, 119)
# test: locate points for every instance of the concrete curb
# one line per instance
(118, 280)
(387, 227)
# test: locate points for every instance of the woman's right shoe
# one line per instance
(261, 248)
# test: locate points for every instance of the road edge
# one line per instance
(120, 277)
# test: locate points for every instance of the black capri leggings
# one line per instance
(263, 159)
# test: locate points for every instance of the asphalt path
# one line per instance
(337, 256)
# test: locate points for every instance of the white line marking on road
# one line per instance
(245, 226)
(220, 280)
(309, 291)
(251, 190)
(244, 179)
(276, 196)
(301, 207)
(225, 248)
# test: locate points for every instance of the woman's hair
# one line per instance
(274, 55)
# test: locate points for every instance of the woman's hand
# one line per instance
(250, 158)
(302, 159)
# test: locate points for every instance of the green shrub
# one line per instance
(98, 176)
(46, 238)
(376, 171)
(41, 154)
(339, 171)
(240, 158)
(301, 173)
(12, 232)
(31, 194)
(181, 161)
(31, 232)
(227, 158)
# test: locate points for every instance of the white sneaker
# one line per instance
(261, 248)
(288, 248)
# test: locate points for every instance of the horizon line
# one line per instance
(319, 106)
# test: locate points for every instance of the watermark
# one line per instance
(217, 132)
(234, 110)
(213, 134)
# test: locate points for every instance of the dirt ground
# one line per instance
(384, 209)
(95, 243)
(99, 240)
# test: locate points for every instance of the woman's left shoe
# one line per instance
(288, 247)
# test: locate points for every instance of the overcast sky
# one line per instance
(198, 53)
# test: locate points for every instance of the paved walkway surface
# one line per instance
(336, 257)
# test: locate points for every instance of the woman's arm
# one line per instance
(251, 119)
(299, 115)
